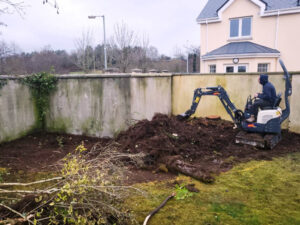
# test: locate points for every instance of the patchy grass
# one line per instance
(254, 193)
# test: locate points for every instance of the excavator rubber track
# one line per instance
(267, 141)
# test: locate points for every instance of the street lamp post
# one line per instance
(104, 39)
(187, 63)
(187, 59)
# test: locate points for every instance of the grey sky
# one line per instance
(168, 23)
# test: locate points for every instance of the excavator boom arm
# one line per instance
(220, 92)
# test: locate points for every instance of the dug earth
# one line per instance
(200, 148)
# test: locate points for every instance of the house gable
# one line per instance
(229, 2)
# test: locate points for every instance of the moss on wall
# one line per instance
(60, 125)
(3, 83)
(17, 111)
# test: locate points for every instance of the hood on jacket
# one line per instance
(263, 79)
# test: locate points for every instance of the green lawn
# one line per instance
(258, 192)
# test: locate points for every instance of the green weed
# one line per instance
(182, 192)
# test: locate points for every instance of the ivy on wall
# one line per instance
(41, 85)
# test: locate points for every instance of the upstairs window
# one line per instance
(240, 27)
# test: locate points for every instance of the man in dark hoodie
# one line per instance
(265, 99)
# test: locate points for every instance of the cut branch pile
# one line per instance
(89, 191)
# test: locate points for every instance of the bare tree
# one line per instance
(194, 57)
(5, 51)
(178, 53)
(142, 53)
(10, 7)
(84, 53)
(152, 53)
(122, 43)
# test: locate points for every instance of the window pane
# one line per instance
(262, 67)
(229, 69)
(234, 28)
(242, 69)
(246, 27)
(212, 68)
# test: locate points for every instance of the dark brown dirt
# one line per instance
(40, 151)
(199, 148)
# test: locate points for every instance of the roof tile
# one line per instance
(236, 48)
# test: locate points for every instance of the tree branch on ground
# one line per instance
(91, 191)
(31, 183)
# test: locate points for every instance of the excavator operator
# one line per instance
(265, 99)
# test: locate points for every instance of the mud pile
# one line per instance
(165, 136)
(199, 147)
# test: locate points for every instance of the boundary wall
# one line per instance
(98, 105)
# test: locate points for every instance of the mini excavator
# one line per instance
(266, 131)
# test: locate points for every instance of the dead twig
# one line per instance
(31, 183)
(50, 191)
(25, 218)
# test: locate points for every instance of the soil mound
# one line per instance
(199, 147)
(165, 136)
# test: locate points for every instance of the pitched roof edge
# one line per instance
(243, 55)
(276, 12)
(262, 4)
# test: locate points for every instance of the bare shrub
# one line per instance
(91, 190)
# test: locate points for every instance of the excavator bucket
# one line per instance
(267, 141)
(182, 117)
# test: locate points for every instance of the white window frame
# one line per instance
(240, 28)
(236, 66)
(268, 66)
(210, 68)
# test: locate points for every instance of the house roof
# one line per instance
(241, 48)
(212, 7)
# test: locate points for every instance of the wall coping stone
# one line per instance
(143, 75)
(236, 74)
(89, 76)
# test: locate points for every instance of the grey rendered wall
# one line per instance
(17, 116)
(103, 106)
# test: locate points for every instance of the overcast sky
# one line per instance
(168, 23)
